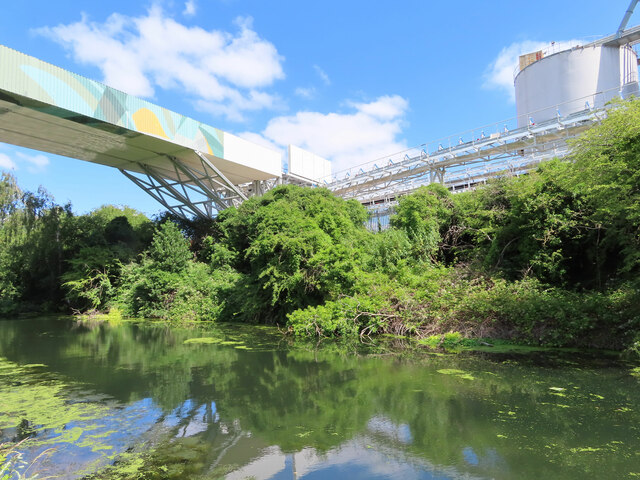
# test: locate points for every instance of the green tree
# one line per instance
(424, 216)
(169, 249)
(293, 247)
(607, 171)
(97, 245)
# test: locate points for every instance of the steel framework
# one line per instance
(200, 191)
(464, 164)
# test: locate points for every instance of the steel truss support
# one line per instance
(437, 175)
(260, 187)
(197, 189)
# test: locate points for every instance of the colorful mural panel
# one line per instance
(72, 95)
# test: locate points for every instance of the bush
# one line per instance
(346, 316)
(293, 247)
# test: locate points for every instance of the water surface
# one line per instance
(246, 402)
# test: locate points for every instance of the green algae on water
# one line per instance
(213, 341)
(47, 411)
(457, 373)
(203, 340)
(557, 389)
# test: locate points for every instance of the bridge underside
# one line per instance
(189, 167)
(183, 180)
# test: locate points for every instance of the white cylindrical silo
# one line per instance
(568, 81)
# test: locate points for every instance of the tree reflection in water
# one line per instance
(253, 404)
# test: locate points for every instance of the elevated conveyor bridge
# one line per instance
(191, 168)
(459, 163)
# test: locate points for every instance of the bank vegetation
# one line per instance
(552, 257)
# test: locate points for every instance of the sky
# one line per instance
(350, 80)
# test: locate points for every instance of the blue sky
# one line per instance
(349, 80)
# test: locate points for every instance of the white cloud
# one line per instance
(322, 74)
(139, 54)
(189, 8)
(500, 72)
(384, 108)
(235, 108)
(7, 163)
(305, 92)
(35, 163)
(369, 131)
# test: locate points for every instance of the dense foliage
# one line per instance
(551, 257)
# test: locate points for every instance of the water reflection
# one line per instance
(250, 404)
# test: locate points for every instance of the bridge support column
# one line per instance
(436, 175)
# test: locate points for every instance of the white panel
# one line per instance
(308, 165)
(252, 155)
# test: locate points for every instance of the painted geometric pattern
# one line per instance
(43, 86)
